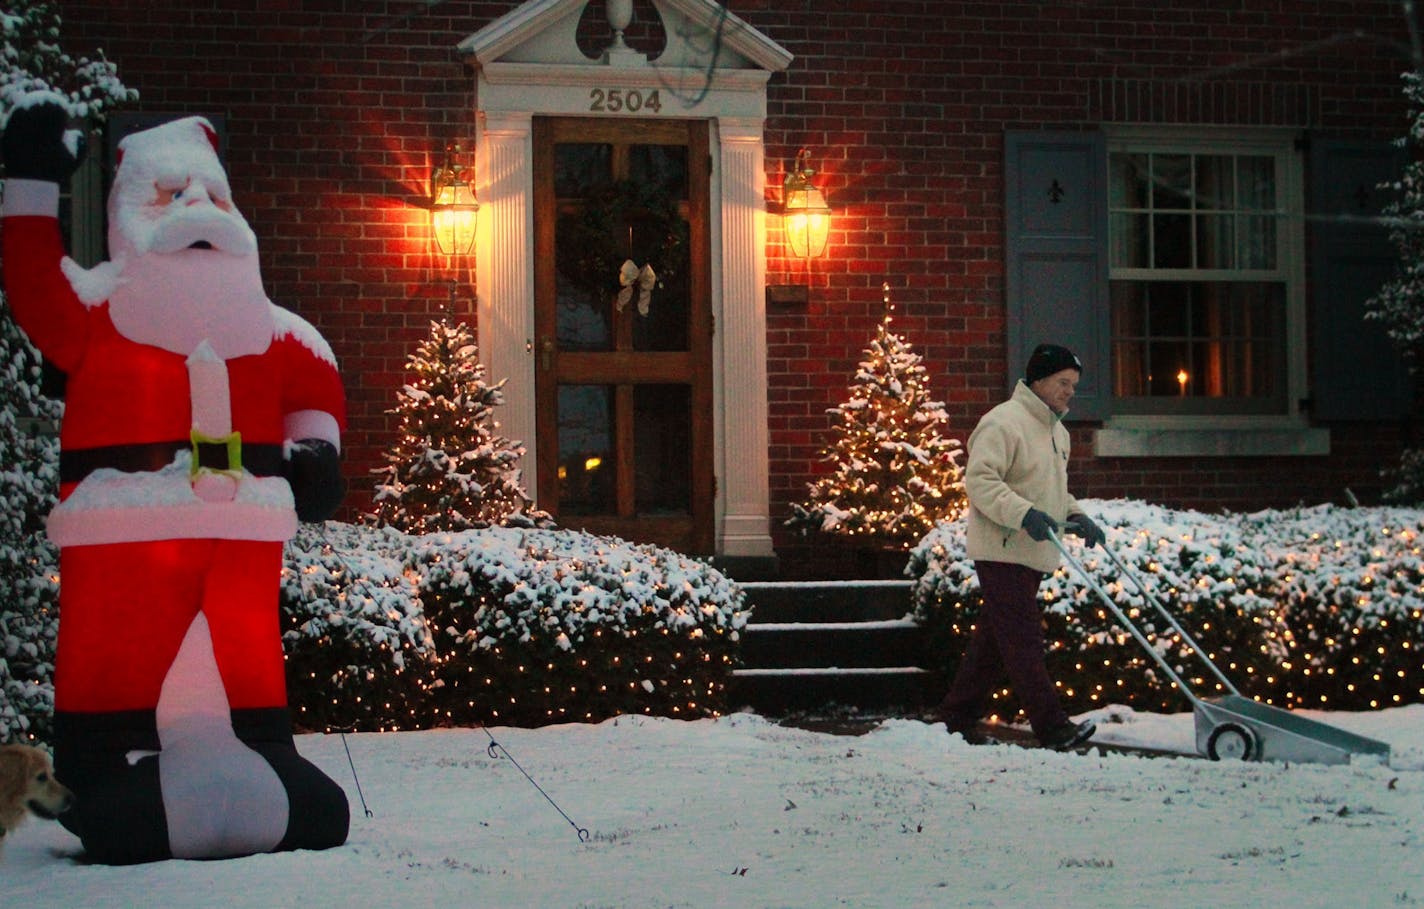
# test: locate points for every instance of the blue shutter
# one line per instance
(1055, 247)
(1357, 373)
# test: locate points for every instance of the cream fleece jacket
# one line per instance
(1018, 459)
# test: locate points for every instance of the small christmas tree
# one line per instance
(449, 469)
(895, 476)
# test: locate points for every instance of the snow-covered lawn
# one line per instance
(739, 812)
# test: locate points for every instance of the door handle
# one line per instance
(546, 352)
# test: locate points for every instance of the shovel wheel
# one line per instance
(1232, 742)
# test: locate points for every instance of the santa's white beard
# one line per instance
(177, 300)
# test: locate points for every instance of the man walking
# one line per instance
(1017, 485)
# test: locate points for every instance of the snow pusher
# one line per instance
(1233, 726)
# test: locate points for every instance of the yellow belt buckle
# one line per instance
(232, 440)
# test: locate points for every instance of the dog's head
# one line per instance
(27, 781)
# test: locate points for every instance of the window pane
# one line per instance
(1257, 175)
(1216, 184)
(1216, 241)
(1127, 181)
(1258, 242)
(1171, 182)
(1171, 241)
(1129, 240)
(1129, 335)
(587, 469)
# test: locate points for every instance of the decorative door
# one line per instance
(623, 328)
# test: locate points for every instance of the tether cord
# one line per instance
(349, 761)
(582, 832)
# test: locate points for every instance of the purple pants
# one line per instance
(1007, 640)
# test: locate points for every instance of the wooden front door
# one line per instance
(623, 327)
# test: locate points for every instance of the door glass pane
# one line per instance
(582, 318)
(660, 167)
(662, 420)
(658, 232)
(581, 168)
(587, 469)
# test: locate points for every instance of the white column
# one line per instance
(744, 525)
(504, 280)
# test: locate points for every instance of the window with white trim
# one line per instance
(1205, 273)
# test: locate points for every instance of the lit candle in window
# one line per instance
(1182, 381)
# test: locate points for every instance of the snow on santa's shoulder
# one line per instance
(291, 325)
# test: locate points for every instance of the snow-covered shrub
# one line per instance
(32, 60)
(516, 626)
(1350, 583)
(29, 564)
(539, 626)
(1204, 570)
(359, 650)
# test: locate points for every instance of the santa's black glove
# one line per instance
(1038, 525)
(1083, 526)
(314, 472)
(34, 144)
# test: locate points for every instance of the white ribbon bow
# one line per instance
(644, 279)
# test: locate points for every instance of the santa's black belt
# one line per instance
(77, 463)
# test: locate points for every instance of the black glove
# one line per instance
(1038, 525)
(314, 473)
(1083, 526)
(34, 144)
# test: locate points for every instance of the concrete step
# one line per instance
(818, 644)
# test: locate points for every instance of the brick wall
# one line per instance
(334, 117)
(904, 107)
(335, 113)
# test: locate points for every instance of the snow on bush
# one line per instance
(540, 626)
(516, 625)
(355, 635)
(29, 564)
(1316, 607)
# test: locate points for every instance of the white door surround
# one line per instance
(714, 67)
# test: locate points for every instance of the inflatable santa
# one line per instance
(201, 422)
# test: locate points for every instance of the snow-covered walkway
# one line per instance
(739, 812)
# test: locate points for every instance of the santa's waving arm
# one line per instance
(40, 154)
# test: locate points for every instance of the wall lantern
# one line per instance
(805, 214)
(452, 205)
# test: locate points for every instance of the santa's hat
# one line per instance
(170, 156)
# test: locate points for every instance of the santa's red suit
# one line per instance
(189, 399)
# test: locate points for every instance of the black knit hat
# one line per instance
(1048, 359)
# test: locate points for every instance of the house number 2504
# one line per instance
(616, 100)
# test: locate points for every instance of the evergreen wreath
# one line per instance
(592, 244)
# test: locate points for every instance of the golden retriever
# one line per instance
(28, 786)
